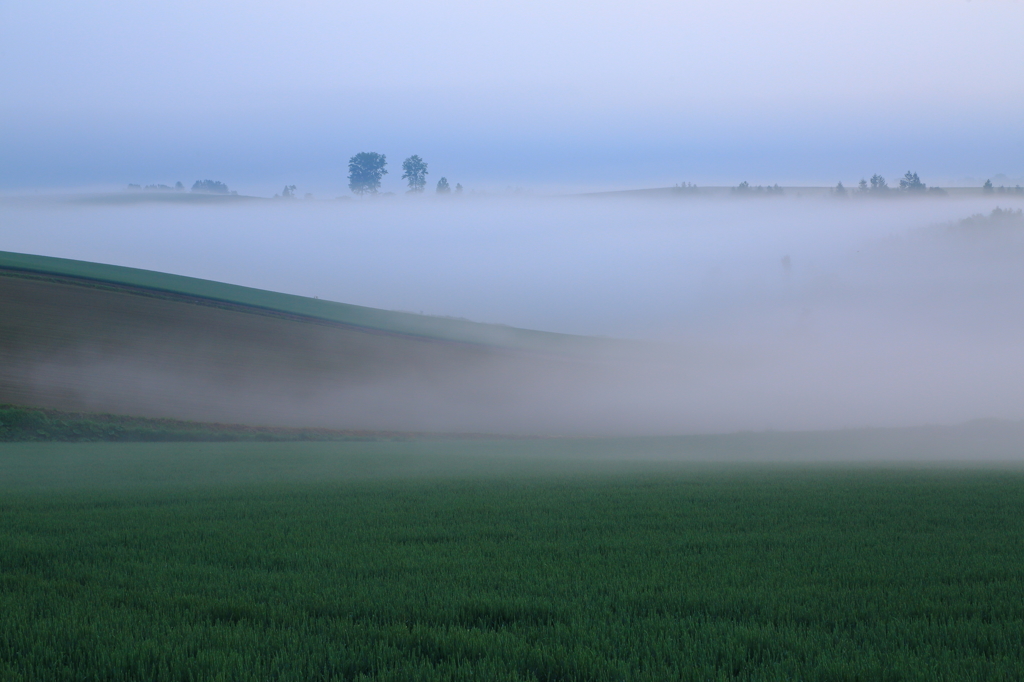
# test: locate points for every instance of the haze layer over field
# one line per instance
(781, 313)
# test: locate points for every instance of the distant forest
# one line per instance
(367, 170)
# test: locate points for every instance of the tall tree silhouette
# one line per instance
(365, 171)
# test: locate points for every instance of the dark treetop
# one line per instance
(365, 171)
(415, 172)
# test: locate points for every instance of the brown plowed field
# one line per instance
(80, 345)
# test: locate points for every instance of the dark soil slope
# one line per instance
(82, 336)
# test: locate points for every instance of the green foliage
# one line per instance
(415, 172)
(365, 171)
(443, 187)
(750, 574)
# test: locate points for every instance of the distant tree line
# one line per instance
(367, 169)
(876, 185)
(745, 188)
(211, 187)
(199, 186)
(910, 183)
(178, 187)
(999, 217)
(686, 188)
(987, 188)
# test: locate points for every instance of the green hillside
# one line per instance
(88, 337)
(441, 328)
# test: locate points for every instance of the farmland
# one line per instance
(206, 481)
(82, 336)
(516, 560)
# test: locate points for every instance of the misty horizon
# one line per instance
(548, 97)
(998, 183)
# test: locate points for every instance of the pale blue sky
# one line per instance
(545, 95)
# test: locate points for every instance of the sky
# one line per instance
(544, 96)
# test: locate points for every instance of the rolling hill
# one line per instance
(86, 336)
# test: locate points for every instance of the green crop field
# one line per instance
(499, 560)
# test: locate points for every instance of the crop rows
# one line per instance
(776, 575)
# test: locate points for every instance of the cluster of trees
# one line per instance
(745, 188)
(910, 183)
(200, 186)
(686, 188)
(178, 187)
(211, 187)
(367, 169)
(289, 192)
(1000, 217)
(987, 188)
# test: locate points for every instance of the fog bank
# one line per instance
(762, 313)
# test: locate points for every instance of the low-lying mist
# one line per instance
(763, 313)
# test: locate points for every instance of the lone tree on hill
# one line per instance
(912, 183)
(365, 171)
(442, 186)
(415, 172)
